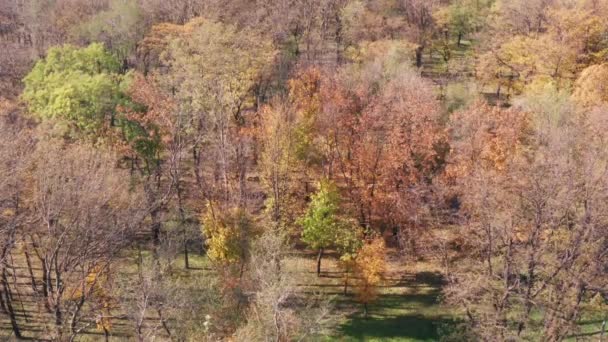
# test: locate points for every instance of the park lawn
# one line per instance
(408, 307)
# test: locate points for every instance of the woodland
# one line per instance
(304, 170)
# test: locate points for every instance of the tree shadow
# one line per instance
(414, 315)
(414, 326)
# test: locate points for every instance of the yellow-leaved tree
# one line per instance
(227, 233)
(370, 264)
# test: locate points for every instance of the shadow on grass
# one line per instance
(406, 327)
(416, 316)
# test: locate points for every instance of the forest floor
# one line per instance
(408, 307)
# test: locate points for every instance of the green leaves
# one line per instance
(80, 88)
(320, 222)
(323, 227)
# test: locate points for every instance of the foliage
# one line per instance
(370, 264)
(216, 66)
(79, 88)
(321, 223)
(591, 88)
(227, 234)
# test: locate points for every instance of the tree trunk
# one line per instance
(186, 261)
(156, 225)
(319, 256)
(365, 310)
(30, 270)
(419, 51)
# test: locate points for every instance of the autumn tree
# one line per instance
(119, 27)
(370, 264)
(16, 147)
(278, 160)
(388, 144)
(83, 215)
(591, 88)
(273, 311)
(213, 69)
(227, 234)
(421, 24)
(462, 17)
(531, 222)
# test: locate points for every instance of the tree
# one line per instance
(227, 234)
(82, 214)
(461, 17)
(278, 160)
(388, 143)
(213, 69)
(524, 201)
(119, 28)
(370, 263)
(78, 89)
(591, 88)
(321, 223)
(273, 312)
(16, 148)
(419, 16)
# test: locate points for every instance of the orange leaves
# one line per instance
(161, 35)
(370, 264)
(486, 136)
(160, 108)
(304, 90)
(378, 133)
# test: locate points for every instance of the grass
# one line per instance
(415, 316)
(408, 307)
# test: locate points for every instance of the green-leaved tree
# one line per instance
(78, 88)
(322, 225)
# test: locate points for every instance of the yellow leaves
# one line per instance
(7, 213)
(370, 264)
(214, 66)
(226, 233)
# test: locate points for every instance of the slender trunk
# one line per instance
(365, 310)
(30, 270)
(57, 300)
(3, 303)
(186, 261)
(163, 321)
(419, 51)
(603, 328)
(242, 271)
(459, 38)
(319, 256)
(74, 318)
(156, 225)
